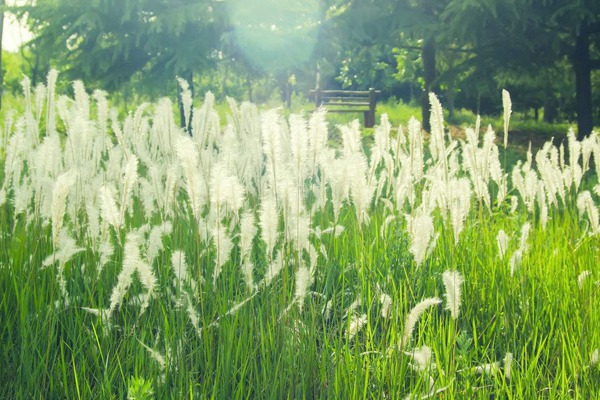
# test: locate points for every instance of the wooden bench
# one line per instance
(343, 101)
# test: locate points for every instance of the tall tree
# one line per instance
(107, 42)
(534, 37)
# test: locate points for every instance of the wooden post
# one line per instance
(318, 97)
(369, 116)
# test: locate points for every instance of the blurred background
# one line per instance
(545, 52)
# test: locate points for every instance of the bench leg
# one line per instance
(369, 119)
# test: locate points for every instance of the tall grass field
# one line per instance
(265, 256)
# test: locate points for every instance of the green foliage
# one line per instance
(109, 42)
(13, 67)
(139, 389)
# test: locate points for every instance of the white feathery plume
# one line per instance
(403, 185)
(180, 268)
(236, 307)
(154, 244)
(507, 106)
(299, 148)
(514, 203)
(22, 196)
(458, 192)
(303, 282)
(130, 178)
(381, 146)
(453, 281)
(50, 109)
(148, 281)
(124, 280)
(327, 309)
(156, 356)
(487, 369)
(351, 138)
(273, 269)
(59, 197)
(169, 189)
(421, 232)
(179, 265)
(582, 277)
(186, 100)
(65, 249)
(574, 154)
(517, 257)
(299, 231)
(413, 317)
(355, 304)
(317, 137)
(415, 138)
(110, 212)
(106, 251)
(361, 190)
(313, 256)
(272, 145)
(192, 314)
(594, 358)
(223, 245)
(437, 143)
(82, 100)
(103, 112)
(225, 191)
(92, 212)
(585, 204)
(385, 225)
(515, 261)
(547, 164)
(147, 194)
(205, 122)
(355, 325)
(132, 262)
(188, 156)
(386, 304)
(508, 360)
(422, 358)
(248, 232)
(248, 274)
(524, 236)
(502, 240)
(269, 222)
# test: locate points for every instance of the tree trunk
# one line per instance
(428, 56)
(550, 110)
(583, 84)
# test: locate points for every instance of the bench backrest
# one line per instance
(340, 101)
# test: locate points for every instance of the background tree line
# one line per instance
(544, 51)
